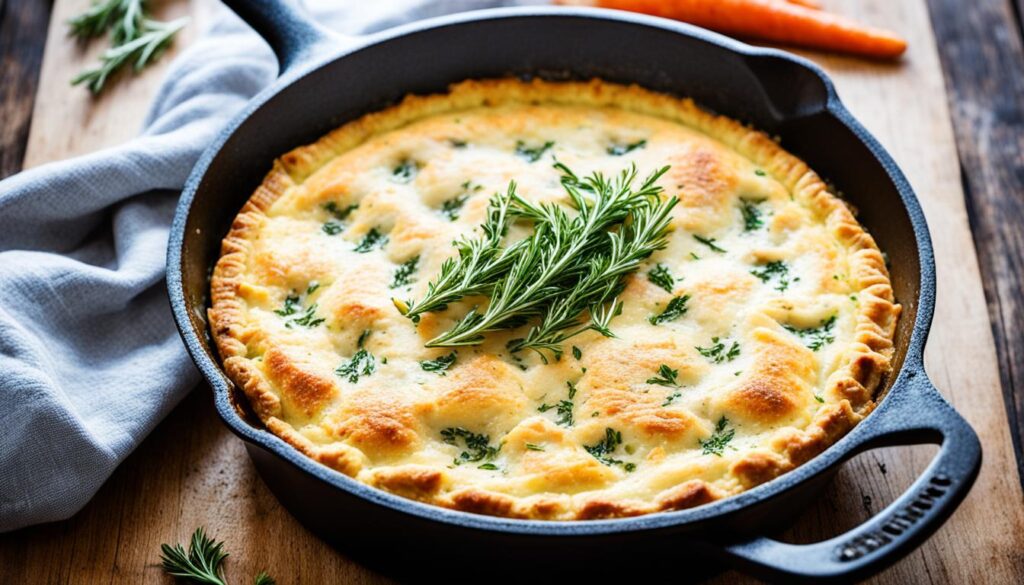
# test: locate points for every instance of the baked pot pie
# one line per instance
(552, 300)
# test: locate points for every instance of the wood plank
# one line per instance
(192, 471)
(22, 22)
(69, 121)
(986, 83)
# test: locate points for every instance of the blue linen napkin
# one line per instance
(90, 360)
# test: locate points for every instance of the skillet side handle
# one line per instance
(287, 27)
(917, 415)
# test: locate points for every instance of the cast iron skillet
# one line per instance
(327, 80)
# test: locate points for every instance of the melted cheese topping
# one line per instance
(786, 336)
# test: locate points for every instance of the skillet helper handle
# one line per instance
(917, 415)
(287, 27)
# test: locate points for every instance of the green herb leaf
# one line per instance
(818, 337)
(201, 564)
(453, 207)
(403, 274)
(717, 353)
(577, 353)
(532, 447)
(675, 309)
(671, 397)
(372, 239)
(362, 362)
(776, 269)
(621, 149)
(439, 365)
(710, 243)
(340, 213)
(532, 154)
(477, 446)
(603, 450)
(291, 312)
(563, 408)
(719, 440)
(570, 265)
(660, 276)
(666, 377)
(134, 38)
(264, 579)
(405, 171)
(760, 173)
(751, 215)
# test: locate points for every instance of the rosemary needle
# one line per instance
(569, 265)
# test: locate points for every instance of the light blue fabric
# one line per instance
(90, 360)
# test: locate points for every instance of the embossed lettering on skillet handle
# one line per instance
(912, 415)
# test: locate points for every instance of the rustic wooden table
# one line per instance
(951, 113)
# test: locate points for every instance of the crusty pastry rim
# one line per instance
(867, 363)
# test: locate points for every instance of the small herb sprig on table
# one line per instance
(202, 562)
(134, 38)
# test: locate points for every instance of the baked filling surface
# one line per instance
(755, 339)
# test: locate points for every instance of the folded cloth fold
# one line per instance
(90, 360)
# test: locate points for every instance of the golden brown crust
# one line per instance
(368, 431)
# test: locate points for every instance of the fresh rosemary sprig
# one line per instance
(599, 289)
(134, 38)
(567, 265)
(202, 563)
(476, 268)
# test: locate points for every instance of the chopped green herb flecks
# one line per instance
(308, 319)
(717, 353)
(671, 397)
(372, 239)
(694, 256)
(452, 207)
(362, 362)
(577, 353)
(533, 447)
(439, 365)
(291, 306)
(660, 276)
(710, 243)
(675, 309)
(621, 149)
(603, 450)
(457, 143)
(294, 314)
(666, 377)
(311, 287)
(818, 337)
(777, 270)
(332, 228)
(751, 215)
(532, 154)
(405, 171)
(403, 274)
(563, 408)
(760, 173)
(477, 446)
(340, 213)
(819, 398)
(719, 440)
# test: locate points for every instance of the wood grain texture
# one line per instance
(191, 471)
(984, 67)
(21, 23)
(69, 120)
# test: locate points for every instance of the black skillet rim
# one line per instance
(834, 455)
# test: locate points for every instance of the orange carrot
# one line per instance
(785, 21)
(807, 3)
